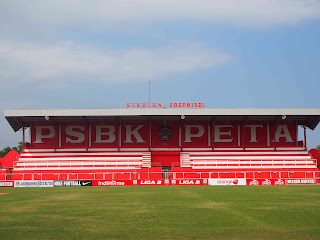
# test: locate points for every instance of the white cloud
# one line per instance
(108, 13)
(50, 64)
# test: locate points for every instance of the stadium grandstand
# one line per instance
(261, 146)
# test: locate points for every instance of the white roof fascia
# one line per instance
(162, 111)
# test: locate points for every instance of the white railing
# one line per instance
(253, 163)
(45, 165)
(285, 175)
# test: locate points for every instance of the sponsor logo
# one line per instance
(171, 182)
(110, 183)
(86, 183)
(72, 183)
(6, 184)
(48, 183)
(103, 183)
(228, 181)
(278, 182)
(151, 182)
(254, 182)
(266, 182)
(189, 182)
(301, 181)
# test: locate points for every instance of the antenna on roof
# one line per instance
(149, 94)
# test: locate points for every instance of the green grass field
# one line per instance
(161, 212)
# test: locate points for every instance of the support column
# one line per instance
(23, 138)
(243, 137)
(209, 137)
(30, 133)
(274, 136)
(212, 134)
(87, 137)
(55, 137)
(268, 135)
(180, 144)
(119, 146)
(305, 137)
(150, 135)
(90, 135)
(60, 135)
(239, 135)
(297, 134)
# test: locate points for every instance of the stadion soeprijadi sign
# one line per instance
(171, 105)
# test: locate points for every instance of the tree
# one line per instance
(318, 147)
(18, 148)
(6, 150)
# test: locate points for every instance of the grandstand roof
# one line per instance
(19, 118)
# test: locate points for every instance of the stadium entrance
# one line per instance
(166, 172)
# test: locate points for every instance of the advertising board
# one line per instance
(171, 182)
(103, 183)
(190, 182)
(72, 183)
(47, 183)
(301, 181)
(151, 182)
(6, 183)
(227, 182)
(265, 182)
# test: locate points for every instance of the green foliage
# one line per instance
(318, 147)
(6, 150)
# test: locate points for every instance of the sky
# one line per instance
(103, 53)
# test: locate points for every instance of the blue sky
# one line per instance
(101, 54)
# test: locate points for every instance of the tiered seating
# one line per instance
(62, 164)
(48, 164)
(247, 160)
(49, 160)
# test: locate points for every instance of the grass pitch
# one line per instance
(161, 212)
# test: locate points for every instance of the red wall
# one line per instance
(9, 159)
(165, 158)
